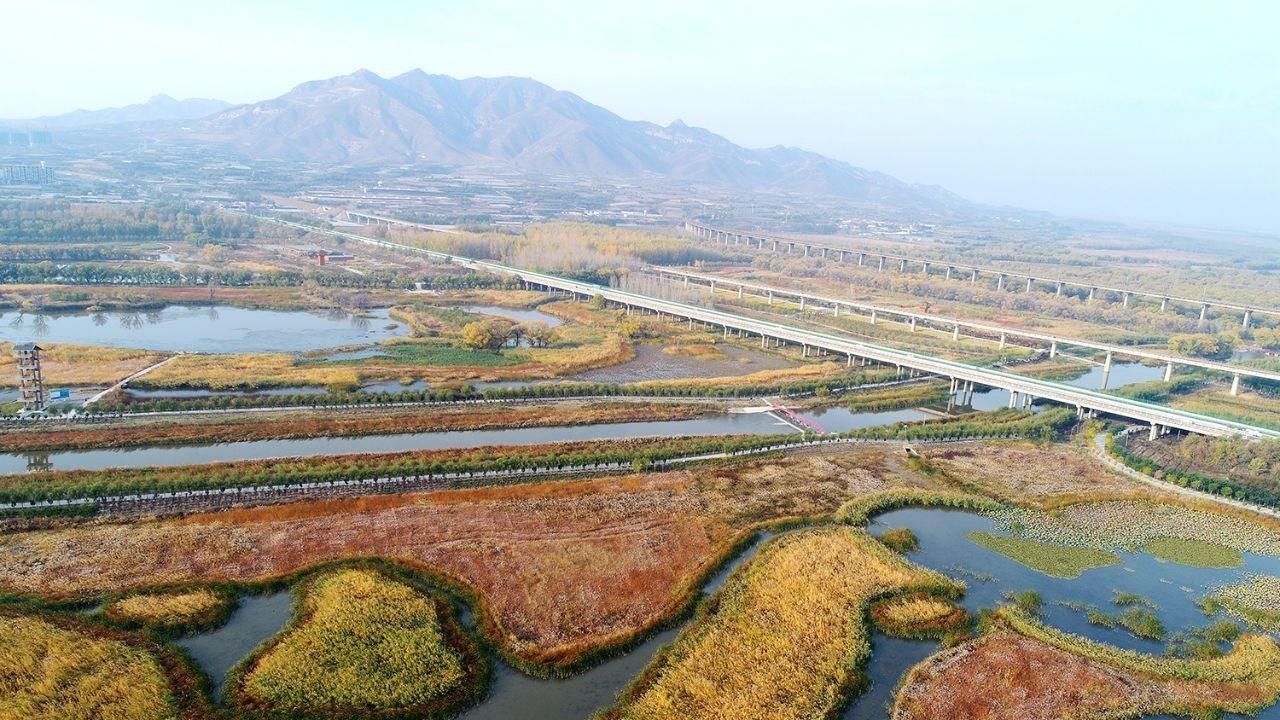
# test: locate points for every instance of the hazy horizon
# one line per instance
(1154, 112)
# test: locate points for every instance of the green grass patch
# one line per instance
(1063, 561)
(1195, 553)
(900, 540)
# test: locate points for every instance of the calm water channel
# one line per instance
(833, 419)
(943, 546)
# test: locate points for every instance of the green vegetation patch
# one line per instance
(1195, 553)
(362, 641)
(173, 611)
(433, 354)
(900, 539)
(1065, 561)
(1256, 600)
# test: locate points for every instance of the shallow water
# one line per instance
(257, 618)
(519, 315)
(989, 576)
(211, 329)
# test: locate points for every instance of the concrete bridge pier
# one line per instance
(1053, 350)
(775, 246)
(1124, 300)
(925, 269)
(801, 303)
(807, 248)
(955, 334)
(950, 269)
(881, 268)
(1106, 371)
(1092, 291)
(1030, 282)
(862, 259)
(1013, 399)
(1004, 339)
(1058, 291)
(1248, 317)
(739, 292)
(1000, 281)
(1168, 372)
(770, 297)
(1235, 384)
(1164, 304)
(973, 277)
(913, 324)
(873, 316)
(903, 266)
(835, 310)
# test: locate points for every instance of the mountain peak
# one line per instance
(417, 117)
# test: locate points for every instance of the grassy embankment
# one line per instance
(172, 612)
(220, 429)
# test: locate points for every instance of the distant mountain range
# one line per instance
(417, 118)
(159, 107)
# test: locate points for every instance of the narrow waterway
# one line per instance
(257, 618)
(834, 420)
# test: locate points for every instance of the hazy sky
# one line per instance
(1160, 110)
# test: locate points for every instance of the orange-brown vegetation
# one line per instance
(563, 568)
(1005, 675)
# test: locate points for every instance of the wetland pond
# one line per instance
(944, 546)
(207, 329)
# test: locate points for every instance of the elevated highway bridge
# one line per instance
(1022, 389)
(1002, 333)
(952, 270)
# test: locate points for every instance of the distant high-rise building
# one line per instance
(26, 174)
(30, 379)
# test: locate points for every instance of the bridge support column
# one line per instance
(873, 316)
(807, 248)
(1004, 338)
(1248, 316)
(850, 363)
(764, 341)
(835, 310)
(950, 269)
(955, 334)
(1124, 300)
(862, 259)
(913, 324)
(1164, 304)
(1204, 311)
(806, 351)
(713, 287)
(1000, 282)
(1168, 372)
(903, 266)
(1155, 431)
(1013, 399)
(1030, 282)
(1106, 371)
(1235, 384)
(925, 270)
(770, 297)
(841, 256)
(801, 303)
(881, 268)
(775, 246)
(1058, 291)
(973, 277)
(824, 252)
(1092, 291)
(1053, 350)
(739, 292)
(686, 281)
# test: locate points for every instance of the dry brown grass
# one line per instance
(80, 364)
(1026, 473)
(564, 567)
(1005, 675)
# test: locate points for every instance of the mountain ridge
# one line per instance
(419, 118)
(159, 107)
